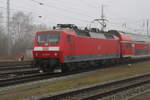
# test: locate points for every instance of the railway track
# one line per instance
(8, 75)
(23, 79)
(33, 78)
(12, 64)
(113, 90)
(18, 71)
(13, 79)
(12, 67)
(34, 75)
(38, 76)
(12, 71)
(16, 68)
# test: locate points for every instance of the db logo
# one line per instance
(99, 48)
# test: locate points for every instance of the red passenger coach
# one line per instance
(133, 45)
(140, 45)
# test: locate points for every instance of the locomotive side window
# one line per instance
(82, 33)
(108, 36)
(68, 38)
(97, 35)
(48, 37)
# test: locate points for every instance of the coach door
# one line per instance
(133, 49)
(127, 49)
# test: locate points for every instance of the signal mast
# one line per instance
(101, 20)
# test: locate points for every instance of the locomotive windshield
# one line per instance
(48, 37)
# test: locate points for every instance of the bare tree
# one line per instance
(3, 38)
(22, 32)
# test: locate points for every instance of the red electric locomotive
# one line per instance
(68, 47)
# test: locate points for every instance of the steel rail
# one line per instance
(39, 76)
(18, 71)
(17, 63)
(101, 90)
(35, 77)
(26, 78)
(15, 67)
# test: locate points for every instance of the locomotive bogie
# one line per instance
(47, 65)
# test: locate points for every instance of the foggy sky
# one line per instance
(82, 12)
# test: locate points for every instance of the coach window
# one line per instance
(128, 45)
(68, 38)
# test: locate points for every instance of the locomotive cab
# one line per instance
(46, 50)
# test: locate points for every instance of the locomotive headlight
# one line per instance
(53, 48)
(38, 48)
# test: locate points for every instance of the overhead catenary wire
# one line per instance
(12, 9)
(70, 17)
(73, 11)
(40, 3)
(77, 8)
(126, 28)
(61, 8)
(88, 4)
(31, 11)
(73, 18)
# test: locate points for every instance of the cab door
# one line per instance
(71, 46)
(128, 49)
(69, 42)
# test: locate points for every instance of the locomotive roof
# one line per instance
(74, 30)
(96, 33)
(85, 33)
(56, 30)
